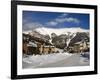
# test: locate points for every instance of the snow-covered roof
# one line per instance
(32, 44)
(78, 42)
(25, 38)
(88, 43)
(48, 46)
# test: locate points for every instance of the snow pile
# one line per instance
(32, 44)
(85, 57)
(37, 60)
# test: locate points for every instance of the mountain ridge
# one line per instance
(59, 31)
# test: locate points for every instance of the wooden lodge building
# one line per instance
(32, 45)
(79, 47)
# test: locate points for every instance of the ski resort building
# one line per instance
(37, 46)
(78, 47)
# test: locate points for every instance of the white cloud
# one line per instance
(61, 19)
(73, 20)
(69, 19)
(52, 23)
(63, 15)
(31, 25)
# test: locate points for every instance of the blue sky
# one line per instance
(35, 19)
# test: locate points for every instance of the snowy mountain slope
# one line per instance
(27, 32)
(59, 31)
(69, 39)
(69, 32)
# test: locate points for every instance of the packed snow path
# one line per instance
(74, 60)
(55, 60)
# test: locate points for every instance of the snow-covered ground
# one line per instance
(54, 60)
(37, 60)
